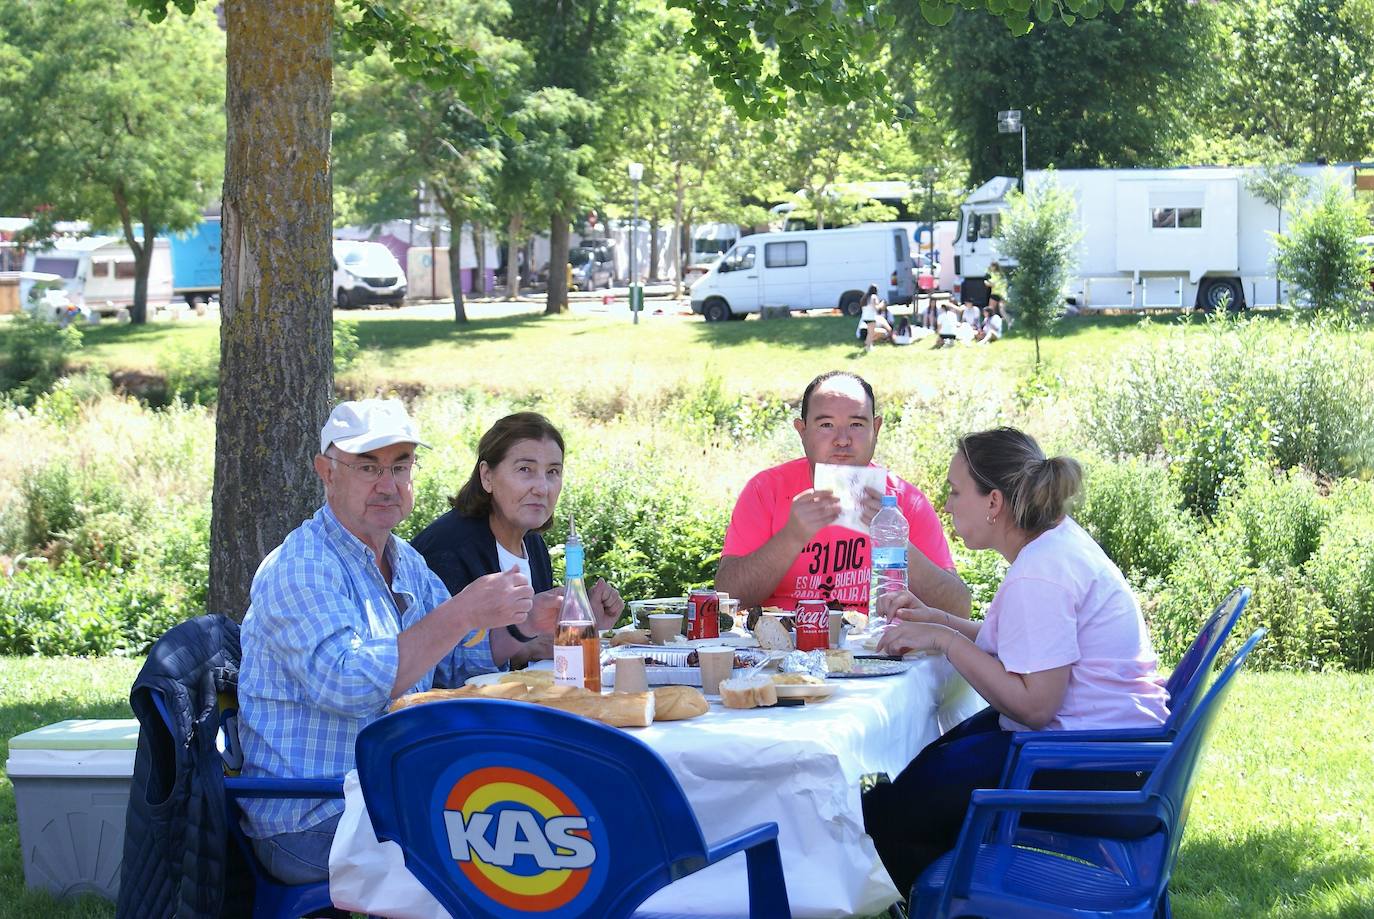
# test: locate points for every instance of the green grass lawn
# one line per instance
(1282, 824)
(531, 352)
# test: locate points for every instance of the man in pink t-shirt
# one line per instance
(781, 546)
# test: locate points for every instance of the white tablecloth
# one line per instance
(796, 766)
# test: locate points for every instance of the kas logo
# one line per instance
(521, 841)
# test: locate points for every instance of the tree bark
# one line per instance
(653, 249)
(513, 256)
(455, 268)
(684, 232)
(559, 237)
(479, 246)
(143, 262)
(276, 343)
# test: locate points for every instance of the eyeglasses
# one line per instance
(371, 472)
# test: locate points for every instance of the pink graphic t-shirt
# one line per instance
(835, 564)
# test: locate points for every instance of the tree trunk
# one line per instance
(480, 247)
(276, 344)
(143, 262)
(513, 257)
(684, 232)
(653, 249)
(455, 270)
(559, 237)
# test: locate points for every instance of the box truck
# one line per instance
(805, 270)
(1190, 237)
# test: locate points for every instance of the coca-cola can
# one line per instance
(812, 625)
(703, 614)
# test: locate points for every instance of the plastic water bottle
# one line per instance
(889, 534)
(576, 646)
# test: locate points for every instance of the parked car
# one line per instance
(592, 267)
(366, 273)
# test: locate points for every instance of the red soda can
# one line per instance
(812, 625)
(703, 614)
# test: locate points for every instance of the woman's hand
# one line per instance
(606, 604)
(544, 616)
(890, 603)
(916, 636)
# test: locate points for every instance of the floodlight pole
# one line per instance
(636, 172)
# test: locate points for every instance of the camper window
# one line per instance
(125, 270)
(1190, 218)
(1171, 218)
(62, 267)
(784, 255)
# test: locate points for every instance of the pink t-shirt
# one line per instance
(1063, 602)
(835, 563)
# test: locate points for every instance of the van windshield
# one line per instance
(372, 259)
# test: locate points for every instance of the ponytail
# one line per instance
(1038, 490)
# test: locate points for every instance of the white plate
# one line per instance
(812, 692)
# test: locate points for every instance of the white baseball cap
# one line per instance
(369, 424)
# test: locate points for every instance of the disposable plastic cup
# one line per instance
(630, 675)
(663, 626)
(716, 665)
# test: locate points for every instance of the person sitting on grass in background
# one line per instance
(901, 335)
(992, 327)
(343, 618)
(782, 545)
(947, 326)
(1063, 646)
(972, 316)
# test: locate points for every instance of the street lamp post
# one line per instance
(636, 292)
(1009, 122)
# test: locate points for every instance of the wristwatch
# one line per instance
(519, 635)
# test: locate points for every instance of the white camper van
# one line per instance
(1193, 237)
(98, 271)
(810, 269)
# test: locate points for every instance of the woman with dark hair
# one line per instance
(1063, 645)
(497, 517)
(874, 323)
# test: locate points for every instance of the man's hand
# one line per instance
(813, 511)
(606, 604)
(544, 613)
(873, 502)
(916, 636)
(494, 600)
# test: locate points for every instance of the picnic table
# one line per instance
(797, 766)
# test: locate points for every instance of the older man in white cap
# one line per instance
(345, 617)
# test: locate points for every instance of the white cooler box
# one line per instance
(71, 788)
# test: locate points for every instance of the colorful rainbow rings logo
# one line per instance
(518, 838)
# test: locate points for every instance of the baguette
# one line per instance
(748, 692)
(678, 703)
(621, 710)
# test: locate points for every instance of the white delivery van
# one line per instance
(1191, 237)
(806, 270)
(366, 273)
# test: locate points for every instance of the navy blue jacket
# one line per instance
(462, 549)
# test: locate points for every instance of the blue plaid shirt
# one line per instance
(319, 659)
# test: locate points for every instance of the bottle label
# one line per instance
(567, 665)
(889, 557)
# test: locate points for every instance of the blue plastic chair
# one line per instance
(992, 872)
(272, 899)
(508, 809)
(1186, 685)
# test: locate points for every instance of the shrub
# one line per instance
(708, 413)
(1343, 570)
(1303, 631)
(192, 374)
(1133, 509)
(983, 572)
(1274, 520)
(1320, 253)
(75, 510)
(1040, 234)
(1217, 437)
(345, 344)
(36, 352)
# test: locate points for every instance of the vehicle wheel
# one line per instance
(1222, 290)
(397, 304)
(849, 303)
(716, 310)
(343, 299)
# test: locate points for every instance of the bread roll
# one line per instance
(771, 635)
(678, 703)
(748, 692)
(797, 679)
(630, 637)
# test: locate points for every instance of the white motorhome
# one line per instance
(1192, 237)
(97, 272)
(709, 242)
(810, 269)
